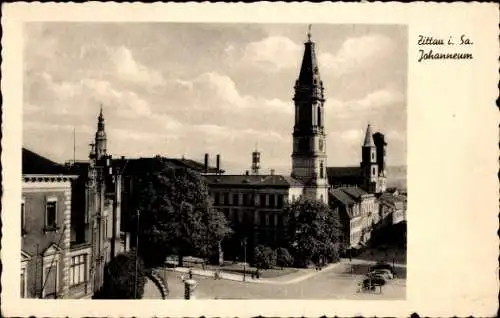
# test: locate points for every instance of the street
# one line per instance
(335, 282)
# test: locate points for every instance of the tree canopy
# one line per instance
(314, 232)
(176, 215)
(264, 257)
(120, 278)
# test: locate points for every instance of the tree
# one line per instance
(283, 257)
(264, 257)
(314, 232)
(176, 215)
(120, 278)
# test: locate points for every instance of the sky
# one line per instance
(183, 90)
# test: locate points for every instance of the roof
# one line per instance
(35, 164)
(309, 67)
(252, 180)
(336, 172)
(340, 196)
(354, 192)
(368, 138)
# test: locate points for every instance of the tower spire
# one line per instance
(368, 137)
(100, 136)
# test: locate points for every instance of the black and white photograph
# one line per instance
(220, 162)
(215, 161)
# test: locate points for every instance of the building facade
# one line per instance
(253, 205)
(46, 255)
(97, 207)
(359, 214)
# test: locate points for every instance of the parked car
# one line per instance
(374, 281)
(387, 274)
(382, 266)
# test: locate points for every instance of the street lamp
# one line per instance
(136, 254)
(244, 258)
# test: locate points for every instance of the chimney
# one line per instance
(218, 163)
(206, 163)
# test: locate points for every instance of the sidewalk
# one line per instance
(364, 261)
(304, 274)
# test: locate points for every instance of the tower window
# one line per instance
(321, 170)
(319, 116)
(373, 171)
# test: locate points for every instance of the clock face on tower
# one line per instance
(321, 145)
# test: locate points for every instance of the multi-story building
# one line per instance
(253, 204)
(358, 211)
(47, 268)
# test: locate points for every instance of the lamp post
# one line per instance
(136, 254)
(244, 258)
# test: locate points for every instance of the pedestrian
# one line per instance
(190, 273)
(257, 273)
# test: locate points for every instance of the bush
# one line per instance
(283, 257)
(119, 278)
(264, 257)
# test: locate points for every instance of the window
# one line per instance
(271, 200)
(23, 283)
(246, 199)
(226, 199)
(217, 199)
(321, 168)
(262, 200)
(373, 156)
(280, 201)
(373, 171)
(236, 198)
(262, 217)
(319, 116)
(78, 270)
(51, 214)
(23, 220)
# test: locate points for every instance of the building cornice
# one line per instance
(48, 178)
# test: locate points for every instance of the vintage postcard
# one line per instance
(250, 159)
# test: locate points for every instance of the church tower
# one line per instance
(309, 149)
(369, 166)
(100, 138)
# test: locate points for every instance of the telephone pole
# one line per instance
(136, 254)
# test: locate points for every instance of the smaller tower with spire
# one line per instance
(100, 137)
(255, 161)
(369, 165)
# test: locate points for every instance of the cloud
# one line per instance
(352, 135)
(357, 53)
(372, 103)
(273, 53)
(129, 69)
(380, 98)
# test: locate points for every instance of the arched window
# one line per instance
(321, 168)
(319, 116)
